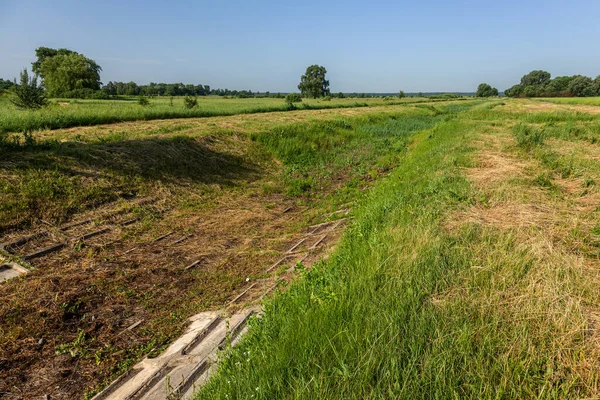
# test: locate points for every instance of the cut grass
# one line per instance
(407, 308)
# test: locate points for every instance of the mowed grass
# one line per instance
(65, 113)
(437, 290)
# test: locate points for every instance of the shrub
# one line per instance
(27, 94)
(401, 94)
(293, 98)
(326, 98)
(190, 102)
(142, 101)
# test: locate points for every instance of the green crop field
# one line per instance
(65, 113)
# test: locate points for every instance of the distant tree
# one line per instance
(582, 86)
(596, 86)
(5, 84)
(293, 98)
(66, 72)
(485, 90)
(514, 91)
(535, 78)
(27, 93)
(401, 94)
(340, 95)
(143, 101)
(313, 83)
(558, 86)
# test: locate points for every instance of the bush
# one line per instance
(27, 94)
(293, 98)
(326, 98)
(142, 101)
(190, 102)
(401, 94)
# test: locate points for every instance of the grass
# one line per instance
(65, 113)
(219, 186)
(420, 302)
(592, 101)
(469, 270)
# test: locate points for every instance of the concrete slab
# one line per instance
(10, 270)
(175, 372)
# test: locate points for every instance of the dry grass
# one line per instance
(550, 231)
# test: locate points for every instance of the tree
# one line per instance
(313, 83)
(5, 84)
(64, 72)
(42, 53)
(485, 90)
(558, 86)
(401, 94)
(596, 86)
(27, 93)
(582, 86)
(514, 91)
(536, 78)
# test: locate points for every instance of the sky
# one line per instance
(366, 46)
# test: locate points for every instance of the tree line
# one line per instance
(538, 83)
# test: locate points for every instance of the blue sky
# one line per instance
(366, 46)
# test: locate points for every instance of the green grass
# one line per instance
(406, 308)
(65, 113)
(592, 101)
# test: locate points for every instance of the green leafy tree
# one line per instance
(27, 93)
(340, 95)
(42, 53)
(536, 78)
(582, 86)
(514, 91)
(596, 86)
(401, 94)
(63, 73)
(313, 83)
(485, 90)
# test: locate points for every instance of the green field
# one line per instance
(65, 113)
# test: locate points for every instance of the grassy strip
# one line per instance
(407, 309)
(105, 112)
